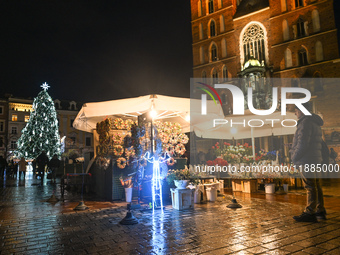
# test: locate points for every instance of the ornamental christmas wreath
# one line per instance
(171, 161)
(118, 150)
(180, 149)
(121, 162)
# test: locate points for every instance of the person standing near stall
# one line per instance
(3, 165)
(54, 165)
(42, 161)
(307, 150)
(22, 167)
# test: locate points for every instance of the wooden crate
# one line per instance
(249, 186)
(237, 185)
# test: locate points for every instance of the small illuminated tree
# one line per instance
(42, 131)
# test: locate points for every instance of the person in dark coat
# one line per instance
(54, 164)
(3, 165)
(42, 161)
(307, 149)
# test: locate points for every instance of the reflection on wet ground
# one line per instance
(29, 225)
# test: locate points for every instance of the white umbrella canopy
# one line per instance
(172, 109)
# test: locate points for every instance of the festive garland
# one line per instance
(121, 162)
(180, 149)
(118, 150)
(171, 161)
(119, 123)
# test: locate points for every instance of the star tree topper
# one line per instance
(45, 86)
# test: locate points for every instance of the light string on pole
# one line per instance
(156, 182)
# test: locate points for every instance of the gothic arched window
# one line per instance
(253, 43)
(215, 76)
(224, 48)
(211, 6)
(225, 73)
(213, 53)
(301, 28)
(212, 28)
(318, 51)
(303, 59)
(298, 3)
(288, 58)
(316, 21)
(285, 30)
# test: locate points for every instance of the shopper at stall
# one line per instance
(307, 149)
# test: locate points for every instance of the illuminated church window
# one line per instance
(253, 43)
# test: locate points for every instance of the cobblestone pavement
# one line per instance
(29, 225)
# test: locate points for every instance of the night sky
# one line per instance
(95, 50)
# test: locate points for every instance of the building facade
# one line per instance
(273, 38)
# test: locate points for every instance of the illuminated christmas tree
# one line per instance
(42, 131)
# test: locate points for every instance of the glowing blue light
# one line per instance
(156, 181)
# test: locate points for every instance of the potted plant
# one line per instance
(180, 178)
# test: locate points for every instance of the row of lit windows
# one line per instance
(88, 142)
(15, 117)
(300, 29)
(214, 74)
(303, 58)
(210, 5)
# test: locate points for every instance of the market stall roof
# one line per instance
(173, 109)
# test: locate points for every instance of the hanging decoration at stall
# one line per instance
(131, 146)
(173, 141)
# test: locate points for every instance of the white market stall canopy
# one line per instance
(173, 109)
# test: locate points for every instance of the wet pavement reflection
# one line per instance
(30, 225)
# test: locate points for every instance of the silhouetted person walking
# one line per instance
(42, 161)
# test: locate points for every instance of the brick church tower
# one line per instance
(279, 38)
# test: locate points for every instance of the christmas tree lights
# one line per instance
(42, 130)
